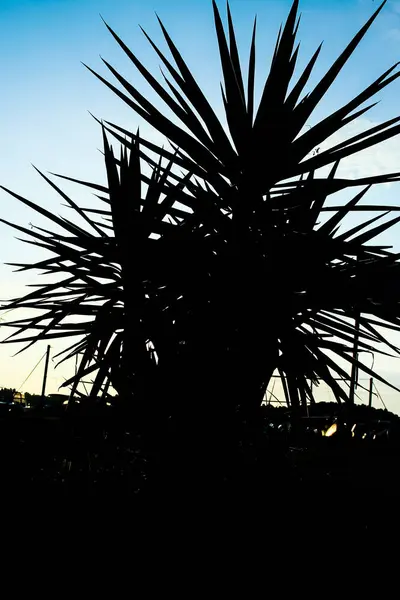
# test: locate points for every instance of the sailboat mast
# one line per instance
(46, 367)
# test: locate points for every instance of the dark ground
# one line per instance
(313, 481)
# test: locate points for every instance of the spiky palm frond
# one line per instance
(223, 268)
(103, 298)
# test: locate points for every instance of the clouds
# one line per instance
(377, 160)
(395, 6)
(394, 33)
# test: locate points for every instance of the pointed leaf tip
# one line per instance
(378, 10)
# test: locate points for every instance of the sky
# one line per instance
(47, 94)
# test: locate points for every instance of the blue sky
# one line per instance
(47, 93)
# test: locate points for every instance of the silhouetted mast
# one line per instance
(46, 367)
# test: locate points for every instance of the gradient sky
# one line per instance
(47, 93)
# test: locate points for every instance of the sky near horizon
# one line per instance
(47, 93)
